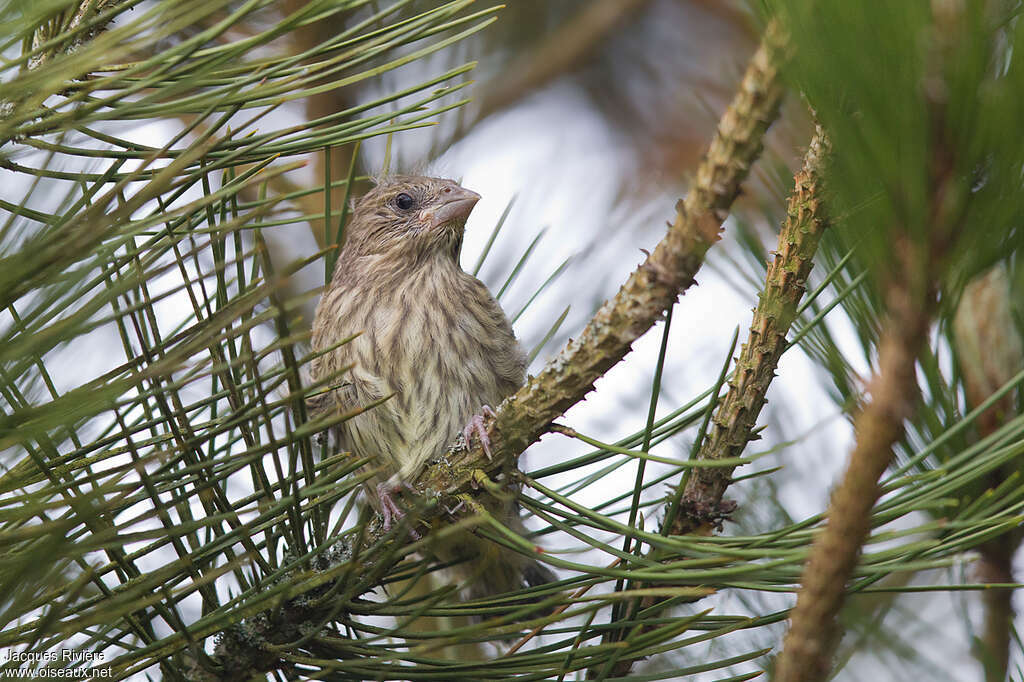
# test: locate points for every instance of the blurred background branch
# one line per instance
(557, 53)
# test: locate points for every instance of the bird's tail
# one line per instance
(489, 569)
(498, 570)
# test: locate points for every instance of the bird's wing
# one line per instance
(336, 392)
(499, 344)
(333, 400)
(330, 399)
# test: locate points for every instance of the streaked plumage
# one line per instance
(432, 335)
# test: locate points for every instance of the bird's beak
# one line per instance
(456, 205)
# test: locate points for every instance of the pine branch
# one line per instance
(700, 500)
(910, 300)
(813, 634)
(668, 271)
(308, 600)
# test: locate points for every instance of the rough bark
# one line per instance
(700, 508)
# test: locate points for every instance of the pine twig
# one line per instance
(762, 74)
(813, 634)
(700, 501)
(699, 498)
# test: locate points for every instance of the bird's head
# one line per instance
(410, 217)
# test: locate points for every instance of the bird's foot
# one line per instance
(476, 425)
(389, 510)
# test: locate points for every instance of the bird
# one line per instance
(432, 347)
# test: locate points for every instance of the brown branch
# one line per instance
(918, 258)
(785, 284)
(813, 634)
(988, 348)
(910, 300)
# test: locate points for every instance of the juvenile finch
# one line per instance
(431, 335)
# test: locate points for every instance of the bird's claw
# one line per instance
(476, 425)
(389, 510)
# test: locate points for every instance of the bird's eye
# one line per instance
(404, 201)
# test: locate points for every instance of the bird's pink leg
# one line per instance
(389, 509)
(476, 425)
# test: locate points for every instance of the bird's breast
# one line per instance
(442, 349)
